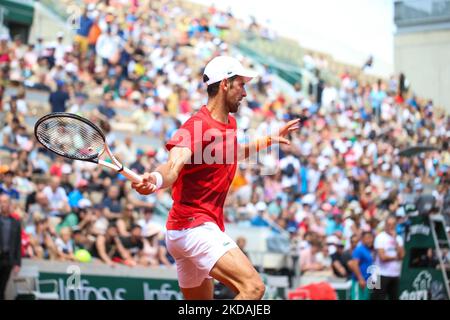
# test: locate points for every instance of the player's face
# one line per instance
(235, 94)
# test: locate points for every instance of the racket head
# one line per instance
(70, 136)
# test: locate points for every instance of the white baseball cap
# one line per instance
(223, 67)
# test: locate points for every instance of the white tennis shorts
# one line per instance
(196, 251)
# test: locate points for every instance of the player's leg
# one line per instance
(235, 270)
(205, 251)
(204, 292)
(195, 284)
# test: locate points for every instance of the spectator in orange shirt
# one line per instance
(94, 33)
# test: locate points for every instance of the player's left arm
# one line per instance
(248, 149)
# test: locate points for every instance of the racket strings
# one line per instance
(70, 137)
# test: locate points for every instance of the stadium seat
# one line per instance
(27, 285)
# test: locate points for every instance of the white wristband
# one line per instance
(159, 179)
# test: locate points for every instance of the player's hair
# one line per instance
(213, 89)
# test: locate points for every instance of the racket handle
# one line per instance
(131, 175)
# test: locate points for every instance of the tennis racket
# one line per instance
(77, 138)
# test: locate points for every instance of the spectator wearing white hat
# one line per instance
(60, 48)
(261, 219)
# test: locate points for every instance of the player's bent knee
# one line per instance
(254, 290)
(260, 288)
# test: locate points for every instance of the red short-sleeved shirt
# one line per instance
(201, 188)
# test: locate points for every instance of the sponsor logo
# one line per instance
(421, 285)
(419, 229)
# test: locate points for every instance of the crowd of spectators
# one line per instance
(135, 68)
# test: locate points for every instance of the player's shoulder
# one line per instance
(195, 118)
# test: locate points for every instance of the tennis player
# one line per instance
(203, 156)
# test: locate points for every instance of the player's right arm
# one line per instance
(169, 171)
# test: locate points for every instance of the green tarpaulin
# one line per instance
(16, 11)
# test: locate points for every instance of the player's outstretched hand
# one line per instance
(290, 126)
(147, 186)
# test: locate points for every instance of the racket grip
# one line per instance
(131, 175)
